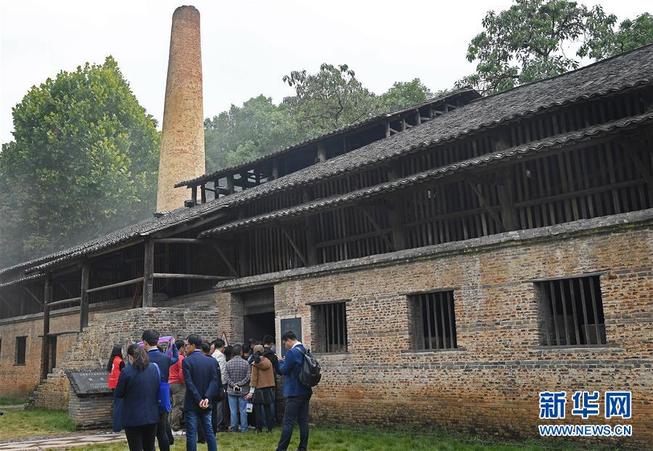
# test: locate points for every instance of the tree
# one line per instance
(84, 160)
(608, 42)
(403, 95)
(328, 100)
(243, 133)
(533, 39)
(526, 42)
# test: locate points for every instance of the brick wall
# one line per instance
(93, 345)
(25, 377)
(490, 384)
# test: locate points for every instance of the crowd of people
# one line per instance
(205, 388)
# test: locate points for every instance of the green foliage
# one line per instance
(532, 39)
(84, 160)
(608, 42)
(243, 133)
(329, 99)
(403, 95)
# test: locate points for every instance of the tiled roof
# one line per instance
(463, 94)
(485, 161)
(623, 72)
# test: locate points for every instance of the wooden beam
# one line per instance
(309, 222)
(321, 151)
(83, 305)
(294, 246)
(506, 199)
(163, 275)
(642, 168)
(178, 241)
(32, 295)
(223, 257)
(485, 205)
(148, 271)
(230, 183)
(396, 214)
(47, 297)
(116, 285)
(378, 229)
(64, 301)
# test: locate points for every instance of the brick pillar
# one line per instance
(231, 317)
(182, 138)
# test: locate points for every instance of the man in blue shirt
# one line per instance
(202, 377)
(297, 395)
(150, 342)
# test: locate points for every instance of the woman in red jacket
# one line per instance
(114, 367)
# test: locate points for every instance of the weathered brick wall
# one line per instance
(491, 383)
(23, 378)
(93, 345)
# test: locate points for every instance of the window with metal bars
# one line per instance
(21, 347)
(434, 320)
(330, 322)
(571, 312)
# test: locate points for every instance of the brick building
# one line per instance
(446, 262)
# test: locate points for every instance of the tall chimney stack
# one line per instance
(182, 139)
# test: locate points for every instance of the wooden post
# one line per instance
(396, 214)
(311, 250)
(148, 271)
(203, 193)
(243, 260)
(83, 304)
(321, 152)
(387, 129)
(45, 352)
(193, 191)
(275, 169)
(230, 183)
(506, 200)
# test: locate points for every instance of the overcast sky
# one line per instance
(247, 46)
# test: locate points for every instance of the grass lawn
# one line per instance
(16, 424)
(4, 401)
(41, 423)
(345, 439)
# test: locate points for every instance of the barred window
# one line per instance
(571, 312)
(21, 346)
(434, 320)
(330, 322)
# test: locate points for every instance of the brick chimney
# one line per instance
(182, 139)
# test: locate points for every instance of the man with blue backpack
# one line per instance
(301, 372)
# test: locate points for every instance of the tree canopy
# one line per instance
(535, 39)
(323, 101)
(83, 161)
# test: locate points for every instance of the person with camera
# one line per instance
(261, 391)
(238, 375)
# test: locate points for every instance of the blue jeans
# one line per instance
(296, 411)
(238, 403)
(192, 418)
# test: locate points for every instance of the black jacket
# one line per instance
(140, 393)
(202, 378)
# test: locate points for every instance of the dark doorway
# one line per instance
(259, 325)
(258, 309)
(52, 352)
